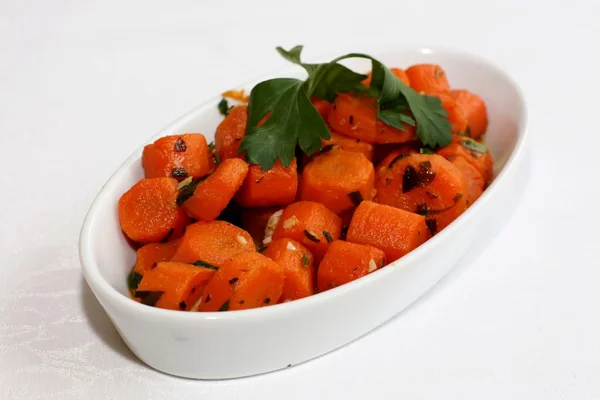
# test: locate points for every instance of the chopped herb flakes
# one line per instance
(355, 197)
(180, 145)
(327, 237)
(326, 148)
(425, 150)
(134, 279)
(223, 107)
(311, 236)
(473, 146)
(305, 259)
(211, 146)
(232, 281)
(182, 305)
(166, 238)
(267, 300)
(259, 179)
(216, 158)
(224, 307)
(204, 264)
(431, 225)
(409, 179)
(262, 249)
(398, 158)
(188, 190)
(179, 173)
(149, 298)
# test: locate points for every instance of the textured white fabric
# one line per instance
(83, 83)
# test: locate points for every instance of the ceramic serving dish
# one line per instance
(241, 343)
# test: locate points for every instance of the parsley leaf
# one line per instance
(223, 107)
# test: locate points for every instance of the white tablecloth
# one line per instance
(83, 83)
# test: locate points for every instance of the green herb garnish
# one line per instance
(224, 307)
(188, 190)
(211, 146)
(223, 107)
(473, 145)
(134, 279)
(294, 121)
(356, 197)
(305, 259)
(425, 150)
(204, 264)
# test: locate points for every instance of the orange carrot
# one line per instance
(456, 115)
(148, 256)
(474, 152)
(247, 280)
(322, 106)
(298, 268)
(274, 187)
(357, 117)
(475, 111)
(428, 79)
(338, 179)
(230, 132)
(173, 285)
(148, 211)
(345, 262)
(475, 180)
(254, 221)
(213, 242)
(311, 224)
(399, 73)
(177, 156)
(390, 229)
(425, 184)
(212, 195)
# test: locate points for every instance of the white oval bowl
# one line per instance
(240, 343)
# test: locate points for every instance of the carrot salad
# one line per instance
(308, 185)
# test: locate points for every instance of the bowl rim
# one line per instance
(104, 291)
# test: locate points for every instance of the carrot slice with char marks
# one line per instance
(148, 212)
(298, 268)
(311, 224)
(173, 285)
(247, 280)
(177, 156)
(428, 79)
(148, 256)
(339, 179)
(357, 117)
(345, 262)
(213, 242)
(274, 187)
(474, 152)
(426, 184)
(230, 132)
(475, 111)
(392, 230)
(214, 193)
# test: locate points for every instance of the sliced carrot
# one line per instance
(298, 268)
(426, 184)
(148, 211)
(247, 280)
(392, 230)
(274, 187)
(399, 73)
(475, 111)
(428, 79)
(254, 221)
(456, 115)
(230, 132)
(475, 181)
(322, 106)
(177, 156)
(212, 195)
(213, 242)
(339, 179)
(474, 152)
(357, 117)
(345, 262)
(311, 224)
(148, 256)
(173, 285)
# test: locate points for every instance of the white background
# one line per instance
(82, 84)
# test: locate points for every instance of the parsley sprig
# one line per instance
(294, 121)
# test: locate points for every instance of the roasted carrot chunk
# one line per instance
(428, 79)
(148, 211)
(345, 262)
(475, 181)
(392, 230)
(177, 156)
(274, 187)
(357, 117)
(148, 256)
(322, 106)
(298, 268)
(254, 221)
(474, 110)
(212, 195)
(230, 132)
(425, 184)
(339, 179)
(311, 224)
(247, 280)
(399, 73)
(212, 242)
(474, 152)
(456, 115)
(173, 285)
